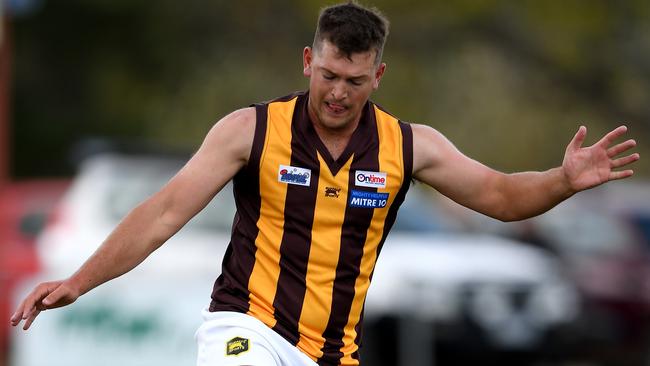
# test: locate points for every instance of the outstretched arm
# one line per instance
(510, 197)
(225, 150)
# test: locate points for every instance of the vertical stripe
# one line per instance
(323, 257)
(354, 229)
(407, 158)
(276, 152)
(390, 147)
(297, 236)
(230, 291)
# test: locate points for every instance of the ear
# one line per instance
(378, 75)
(307, 57)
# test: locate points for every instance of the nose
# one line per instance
(339, 91)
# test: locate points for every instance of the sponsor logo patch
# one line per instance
(293, 175)
(236, 346)
(368, 199)
(363, 178)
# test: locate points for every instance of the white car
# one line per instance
(482, 294)
(106, 188)
(479, 293)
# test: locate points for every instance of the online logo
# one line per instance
(363, 178)
(293, 175)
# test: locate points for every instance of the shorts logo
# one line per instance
(332, 192)
(363, 178)
(293, 175)
(236, 346)
(365, 199)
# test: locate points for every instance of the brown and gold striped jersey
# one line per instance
(309, 228)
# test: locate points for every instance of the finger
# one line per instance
(34, 298)
(54, 297)
(30, 320)
(620, 175)
(617, 163)
(611, 136)
(619, 148)
(28, 307)
(25, 309)
(17, 315)
(578, 139)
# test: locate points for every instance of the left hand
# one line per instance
(47, 295)
(587, 167)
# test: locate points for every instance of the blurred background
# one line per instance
(101, 102)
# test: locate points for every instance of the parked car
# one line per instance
(600, 237)
(24, 209)
(107, 187)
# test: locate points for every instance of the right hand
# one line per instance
(47, 295)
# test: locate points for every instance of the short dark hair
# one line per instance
(352, 28)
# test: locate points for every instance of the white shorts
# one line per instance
(233, 339)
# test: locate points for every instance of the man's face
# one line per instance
(339, 86)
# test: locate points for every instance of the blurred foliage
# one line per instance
(508, 82)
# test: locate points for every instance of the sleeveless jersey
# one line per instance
(308, 228)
